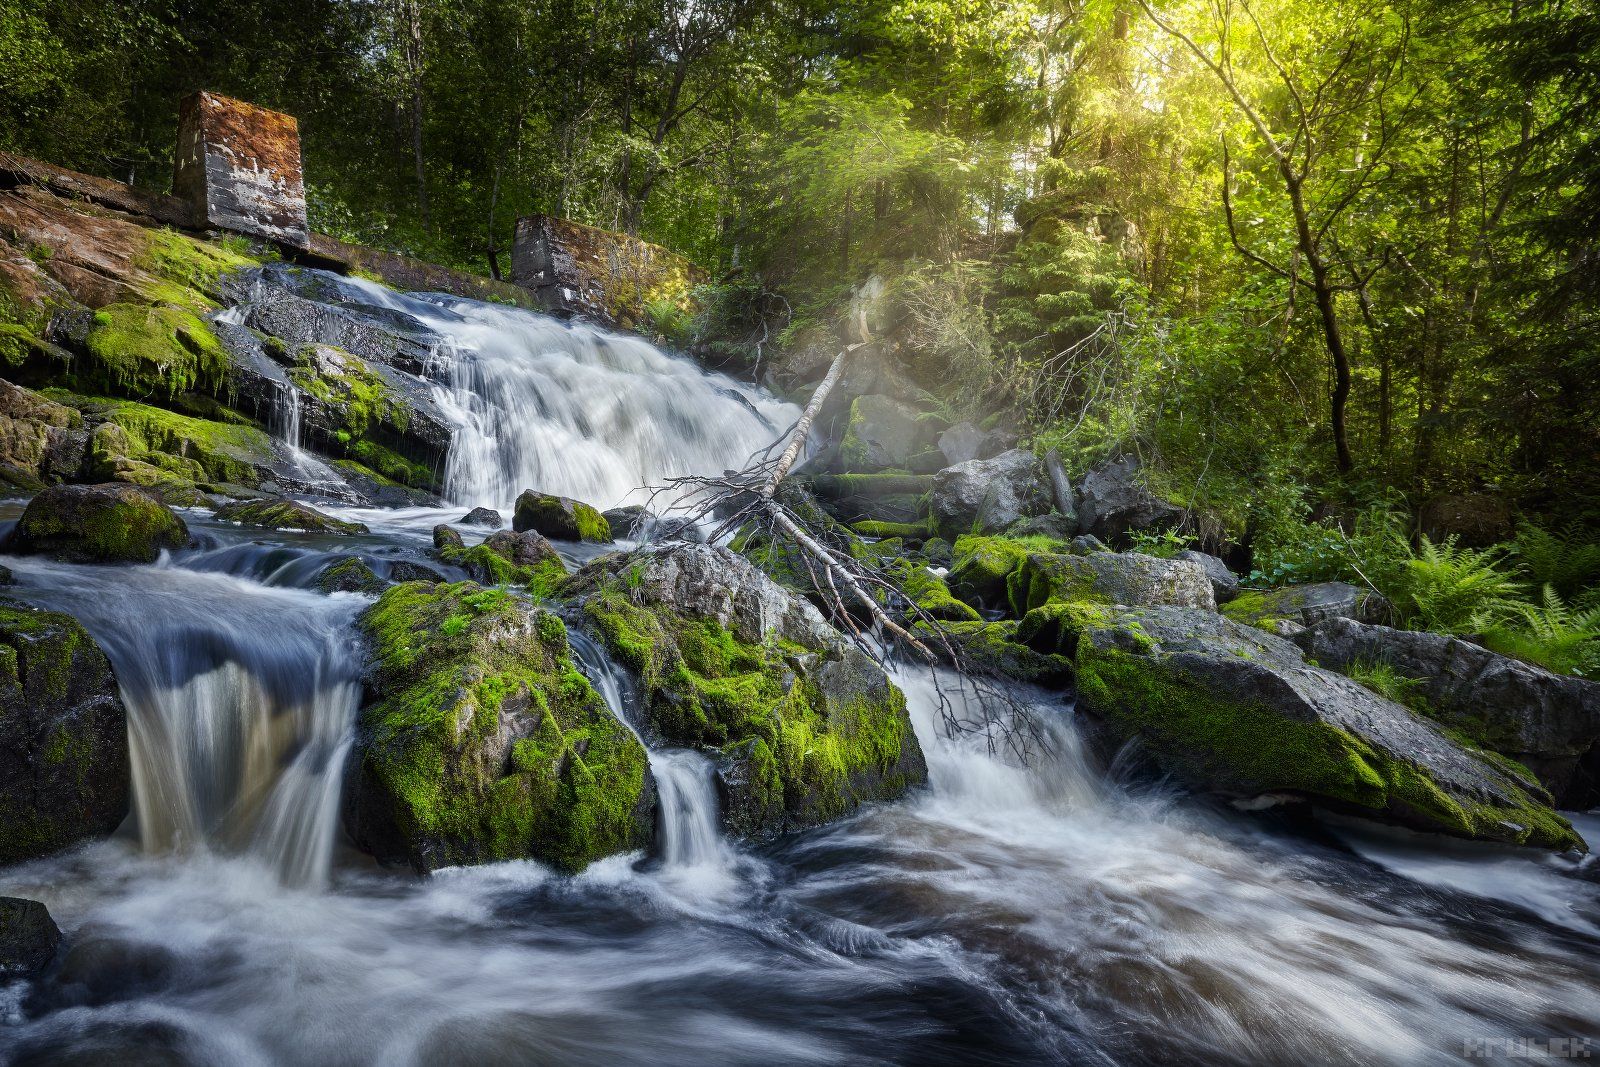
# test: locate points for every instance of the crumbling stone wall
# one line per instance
(609, 277)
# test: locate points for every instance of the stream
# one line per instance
(1054, 912)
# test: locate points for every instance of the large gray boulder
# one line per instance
(964, 441)
(1127, 578)
(1224, 583)
(989, 495)
(64, 768)
(804, 726)
(888, 433)
(1113, 501)
(1549, 722)
(1239, 713)
(1287, 610)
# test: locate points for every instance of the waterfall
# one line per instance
(286, 419)
(575, 410)
(240, 701)
(693, 849)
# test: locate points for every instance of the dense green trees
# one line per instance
(1292, 253)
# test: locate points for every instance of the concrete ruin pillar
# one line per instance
(239, 166)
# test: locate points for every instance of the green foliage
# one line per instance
(1165, 544)
(1450, 589)
(1567, 560)
(1556, 635)
(1383, 679)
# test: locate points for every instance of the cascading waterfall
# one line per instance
(574, 410)
(240, 700)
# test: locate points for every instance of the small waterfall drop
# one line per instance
(693, 848)
(240, 701)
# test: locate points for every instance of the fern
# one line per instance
(1553, 634)
(1563, 560)
(1450, 589)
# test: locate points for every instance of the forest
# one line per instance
(1094, 558)
(1304, 259)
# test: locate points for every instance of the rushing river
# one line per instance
(1005, 914)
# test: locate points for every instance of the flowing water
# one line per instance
(1005, 914)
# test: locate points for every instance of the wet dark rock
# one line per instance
(112, 523)
(732, 663)
(286, 515)
(64, 770)
(401, 570)
(1224, 583)
(560, 517)
(1239, 713)
(1084, 544)
(29, 937)
(445, 537)
(483, 517)
(1113, 502)
(351, 576)
(374, 334)
(1548, 722)
(628, 521)
(989, 495)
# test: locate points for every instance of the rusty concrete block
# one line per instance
(239, 166)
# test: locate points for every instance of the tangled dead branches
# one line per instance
(861, 593)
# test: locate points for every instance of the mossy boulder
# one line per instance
(351, 575)
(981, 566)
(98, 524)
(1239, 713)
(928, 593)
(41, 441)
(995, 648)
(1128, 578)
(482, 741)
(887, 433)
(560, 517)
(286, 515)
(805, 726)
(1546, 721)
(153, 350)
(174, 455)
(64, 770)
(505, 558)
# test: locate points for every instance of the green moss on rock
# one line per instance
(64, 770)
(150, 350)
(485, 741)
(807, 726)
(560, 517)
(98, 524)
(285, 515)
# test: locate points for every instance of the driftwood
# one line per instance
(748, 503)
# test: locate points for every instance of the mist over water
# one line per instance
(1005, 914)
